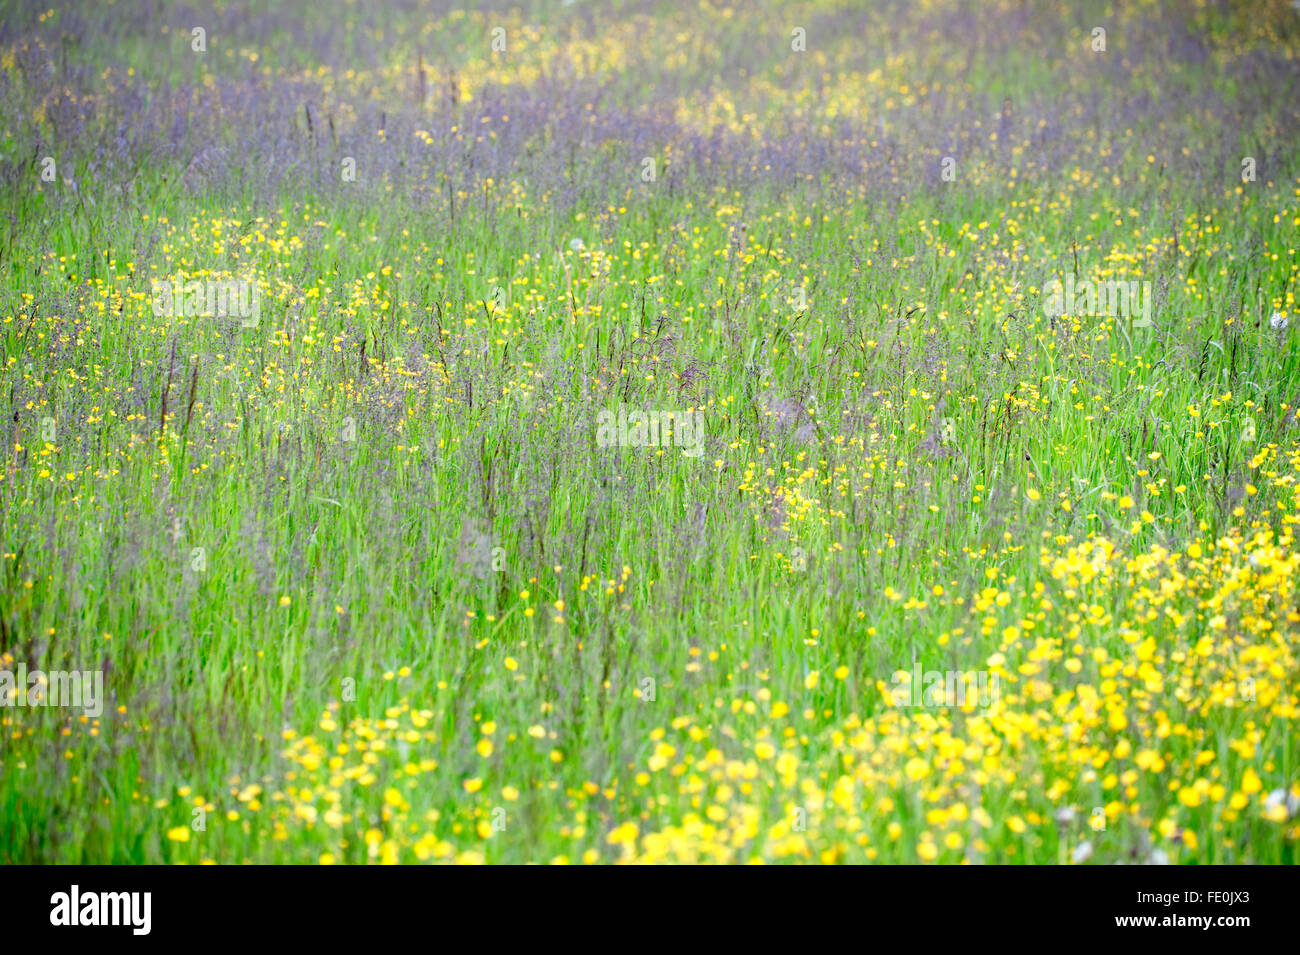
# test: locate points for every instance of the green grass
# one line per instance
(204, 526)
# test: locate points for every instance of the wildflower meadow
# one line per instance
(649, 432)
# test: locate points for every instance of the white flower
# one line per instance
(1064, 816)
(1082, 853)
(1158, 857)
(1278, 321)
(576, 245)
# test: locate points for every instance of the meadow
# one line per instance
(923, 570)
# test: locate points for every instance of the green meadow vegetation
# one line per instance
(955, 577)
